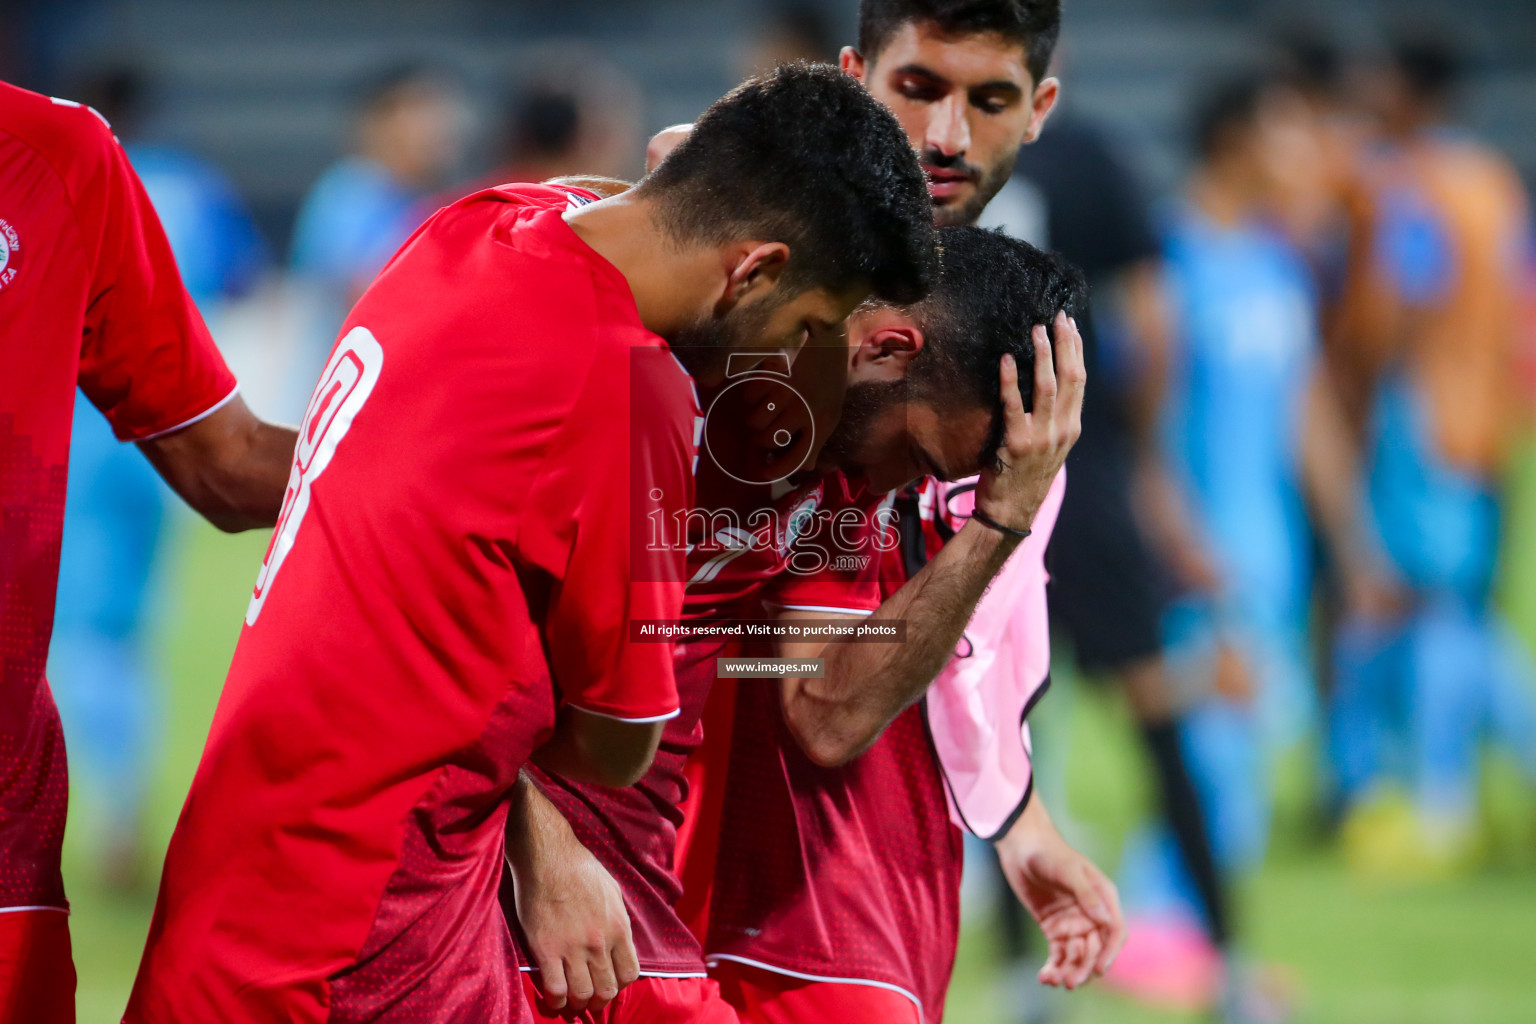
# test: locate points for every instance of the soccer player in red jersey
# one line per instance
(797, 548)
(89, 298)
(837, 864)
(462, 550)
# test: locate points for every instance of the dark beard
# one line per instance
(704, 346)
(862, 405)
(988, 184)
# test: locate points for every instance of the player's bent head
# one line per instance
(804, 157)
(935, 409)
(993, 291)
(1032, 24)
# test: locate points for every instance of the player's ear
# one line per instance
(851, 61)
(886, 352)
(754, 270)
(1042, 103)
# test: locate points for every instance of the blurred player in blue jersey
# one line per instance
(1255, 440)
(1428, 336)
(411, 130)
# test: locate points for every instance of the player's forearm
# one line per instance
(867, 685)
(231, 467)
(537, 833)
(1032, 823)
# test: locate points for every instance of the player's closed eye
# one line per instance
(991, 102)
(920, 90)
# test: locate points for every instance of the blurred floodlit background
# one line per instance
(1376, 814)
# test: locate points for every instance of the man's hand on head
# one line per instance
(1036, 443)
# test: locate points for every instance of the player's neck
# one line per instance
(669, 282)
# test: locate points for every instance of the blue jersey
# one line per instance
(217, 248)
(1247, 338)
(352, 222)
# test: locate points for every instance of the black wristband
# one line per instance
(986, 520)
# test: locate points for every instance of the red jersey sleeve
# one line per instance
(835, 568)
(613, 572)
(146, 358)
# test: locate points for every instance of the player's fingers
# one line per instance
(1070, 366)
(1072, 962)
(1079, 348)
(578, 983)
(1084, 969)
(1050, 972)
(605, 985)
(1012, 398)
(552, 981)
(626, 963)
(1071, 376)
(1045, 373)
(1114, 933)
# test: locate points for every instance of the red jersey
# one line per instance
(633, 831)
(738, 538)
(459, 550)
(89, 296)
(837, 874)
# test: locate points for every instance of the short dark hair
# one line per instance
(1034, 24)
(1230, 105)
(1429, 59)
(544, 121)
(807, 157)
(1310, 60)
(992, 291)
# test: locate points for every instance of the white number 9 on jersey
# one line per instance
(345, 385)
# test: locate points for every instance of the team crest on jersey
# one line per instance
(10, 254)
(799, 520)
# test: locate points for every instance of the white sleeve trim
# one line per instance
(18, 910)
(621, 718)
(215, 407)
(715, 958)
(827, 609)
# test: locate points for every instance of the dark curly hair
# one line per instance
(1034, 24)
(992, 291)
(807, 157)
